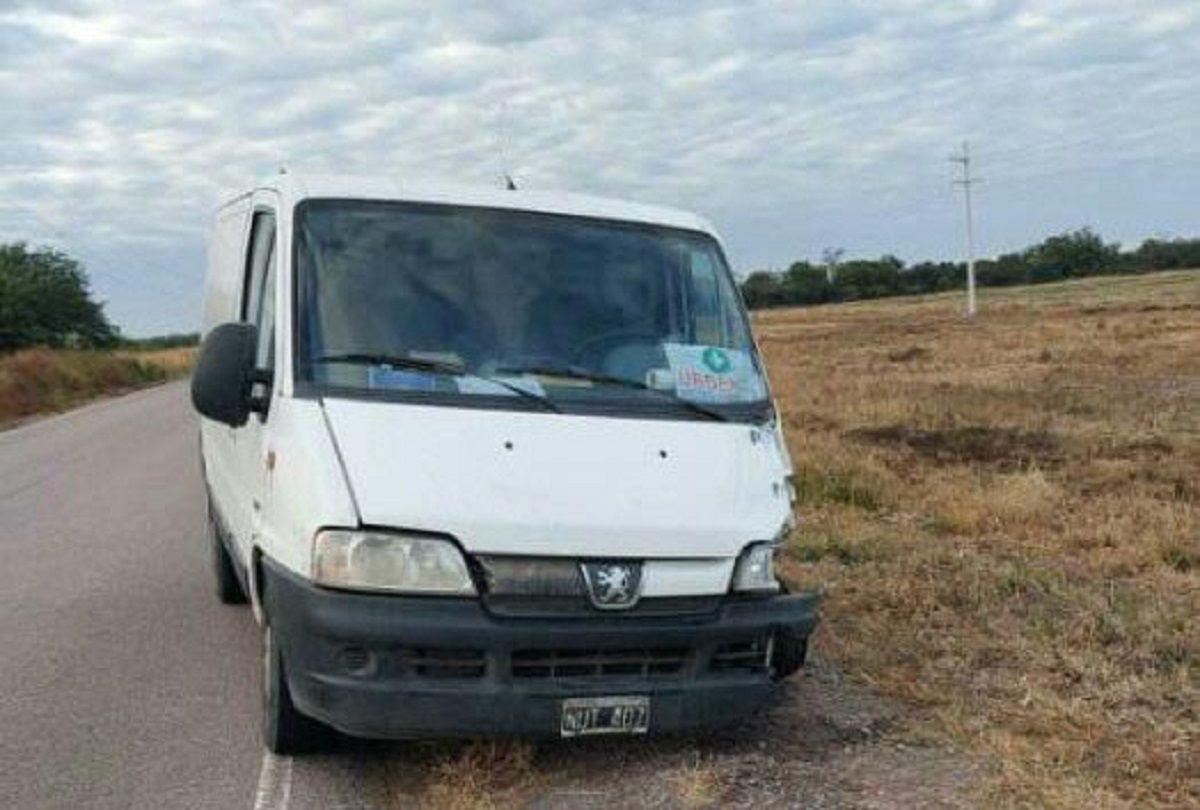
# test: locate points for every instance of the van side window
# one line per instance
(258, 298)
(265, 353)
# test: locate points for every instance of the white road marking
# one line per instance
(274, 783)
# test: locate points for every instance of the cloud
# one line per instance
(793, 125)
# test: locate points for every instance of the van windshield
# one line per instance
(442, 304)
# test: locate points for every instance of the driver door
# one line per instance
(251, 439)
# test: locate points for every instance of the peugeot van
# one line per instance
(490, 462)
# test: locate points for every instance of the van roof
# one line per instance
(297, 187)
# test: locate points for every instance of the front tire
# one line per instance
(285, 730)
(229, 587)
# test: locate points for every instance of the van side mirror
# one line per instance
(223, 382)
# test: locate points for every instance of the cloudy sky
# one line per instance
(794, 126)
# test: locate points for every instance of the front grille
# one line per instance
(554, 587)
(751, 655)
(434, 662)
(640, 662)
(531, 576)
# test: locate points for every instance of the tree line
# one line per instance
(1075, 254)
(45, 298)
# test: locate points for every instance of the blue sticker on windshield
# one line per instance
(713, 373)
(499, 386)
(398, 379)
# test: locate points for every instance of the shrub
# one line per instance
(45, 300)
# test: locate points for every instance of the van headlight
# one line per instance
(382, 561)
(755, 569)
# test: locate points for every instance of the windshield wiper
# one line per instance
(395, 361)
(573, 373)
(407, 363)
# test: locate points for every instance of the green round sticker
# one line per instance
(717, 361)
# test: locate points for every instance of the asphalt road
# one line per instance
(122, 682)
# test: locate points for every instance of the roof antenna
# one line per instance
(509, 183)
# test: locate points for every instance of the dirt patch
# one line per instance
(1117, 308)
(1161, 308)
(1003, 448)
(1154, 446)
(823, 743)
(810, 421)
(907, 355)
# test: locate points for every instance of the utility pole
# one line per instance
(967, 182)
(831, 257)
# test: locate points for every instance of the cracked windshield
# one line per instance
(446, 303)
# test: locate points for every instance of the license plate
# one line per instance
(628, 714)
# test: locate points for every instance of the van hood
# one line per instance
(508, 482)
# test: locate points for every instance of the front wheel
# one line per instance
(284, 729)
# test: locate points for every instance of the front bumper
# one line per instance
(375, 665)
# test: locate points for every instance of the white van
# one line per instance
(490, 462)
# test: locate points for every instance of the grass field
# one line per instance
(40, 380)
(1005, 517)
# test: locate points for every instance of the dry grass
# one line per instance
(484, 775)
(176, 362)
(41, 380)
(696, 785)
(1005, 517)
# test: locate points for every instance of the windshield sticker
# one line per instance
(712, 373)
(398, 379)
(482, 385)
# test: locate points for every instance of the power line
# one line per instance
(967, 182)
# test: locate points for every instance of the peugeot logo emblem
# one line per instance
(613, 585)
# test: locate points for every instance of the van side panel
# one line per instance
(222, 300)
(306, 489)
(303, 488)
